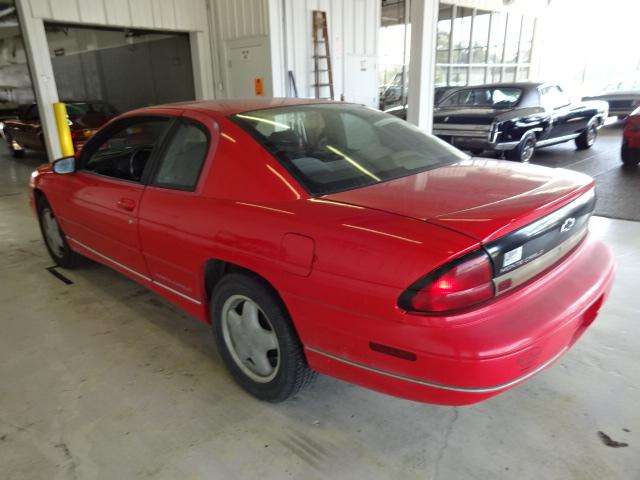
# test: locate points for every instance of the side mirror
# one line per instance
(64, 165)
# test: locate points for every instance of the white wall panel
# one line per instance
(164, 14)
(91, 11)
(118, 13)
(40, 8)
(141, 13)
(353, 37)
(66, 10)
(240, 18)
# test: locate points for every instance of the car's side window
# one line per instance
(182, 160)
(554, 97)
(32, 113)
(126, 149)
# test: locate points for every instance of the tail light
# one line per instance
(460, 284)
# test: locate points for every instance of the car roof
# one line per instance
(231, 107)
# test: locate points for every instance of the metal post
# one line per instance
(424, 27)
(44, 85)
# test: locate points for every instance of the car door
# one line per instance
(566, 118)
(100, 213)
(173, 209)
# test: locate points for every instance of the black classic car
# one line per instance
(516, 118)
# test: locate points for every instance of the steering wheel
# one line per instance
(137, 161)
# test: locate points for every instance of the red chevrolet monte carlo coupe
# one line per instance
(333, 238)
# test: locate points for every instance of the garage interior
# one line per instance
(101, 378)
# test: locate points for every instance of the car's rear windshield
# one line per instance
(492, 97)
(80, 109)
(335, 147)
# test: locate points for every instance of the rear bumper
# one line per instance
(470, 357)
(473, 140)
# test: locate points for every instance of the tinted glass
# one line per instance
(80, 109)
(182, 162)
(124, 152)
(484, 97)
(330, 148)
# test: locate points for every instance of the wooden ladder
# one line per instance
(319, 22)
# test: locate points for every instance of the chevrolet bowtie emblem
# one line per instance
(568, 224)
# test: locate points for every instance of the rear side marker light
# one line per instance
(394, 352)
(460, 284)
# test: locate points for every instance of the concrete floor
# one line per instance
(102, 379)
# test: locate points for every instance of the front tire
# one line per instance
(54, 237)
(256, 339)
(587, 138)
(629, 157)
(524, 151)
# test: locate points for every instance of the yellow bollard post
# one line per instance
(64, 133)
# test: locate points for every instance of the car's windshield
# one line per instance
(335, 147)
(494, 97)
(80, 109)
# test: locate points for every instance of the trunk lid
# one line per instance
(467, 116)
(484, 199)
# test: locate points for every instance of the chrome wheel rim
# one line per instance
(52, 233)
(591, 135)
(527, 151)
(250, 339)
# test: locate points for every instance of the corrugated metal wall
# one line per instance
(353, 30)
(186, 15)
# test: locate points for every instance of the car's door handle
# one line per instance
(126, 204)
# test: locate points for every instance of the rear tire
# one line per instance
(629, 157)
(256, 339)
(524, 151)
(54, 237)
(588, 137)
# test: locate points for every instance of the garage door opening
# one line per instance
(125, 68)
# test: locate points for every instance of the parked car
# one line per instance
(333, 238)
(25, 131)
(631, 139)
(439, 94)
(516, 118)
(622, 97)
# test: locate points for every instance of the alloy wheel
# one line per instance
(527, 150)
(52, 233)
(250, 338)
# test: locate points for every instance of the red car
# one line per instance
(25, 132)
(631, 139)
(333, 238)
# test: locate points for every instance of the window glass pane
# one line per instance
(480, 40)
(182, 162)
(503, 97)
(444, 28)
(442, 56)
(523, 73)
(528, 27)
(458, 76)
(441, 75)
(512, 39)
(509, 74)
(329, 148)
(477, 75)
(461, 35)
(496, 44)
(125, 152)
(494, 75)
